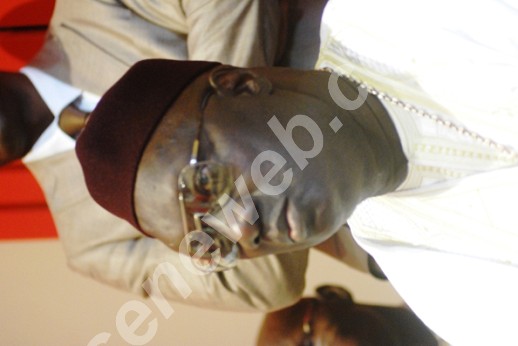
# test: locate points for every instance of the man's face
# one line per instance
(274, 129)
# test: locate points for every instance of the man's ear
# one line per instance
(230, 81)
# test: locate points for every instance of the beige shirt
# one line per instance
(92, 43)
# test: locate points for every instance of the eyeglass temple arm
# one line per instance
(195, 149)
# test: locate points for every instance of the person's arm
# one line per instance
(106, 248)
(241, 33)
(122, 257)
(127, 260)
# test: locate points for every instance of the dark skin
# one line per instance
(336, 319)
(363, 159)
(23, 116)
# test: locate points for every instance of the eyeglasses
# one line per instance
(201, 185)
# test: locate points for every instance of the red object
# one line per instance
(23, 211)
(22, 30)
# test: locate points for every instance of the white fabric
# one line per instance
(466, 301)
(449, 235)
(436, 152)
(57, 95)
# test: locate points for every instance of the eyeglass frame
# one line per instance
(194, 159)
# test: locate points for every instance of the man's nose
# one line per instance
(250, 234)
(253, 233)
(238, 220)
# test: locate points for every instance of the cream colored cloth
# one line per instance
(106, 248)
(448, 238)
(400, 62)
(92, 43)
(241, 33)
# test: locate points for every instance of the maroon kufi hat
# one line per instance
(112, 143)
